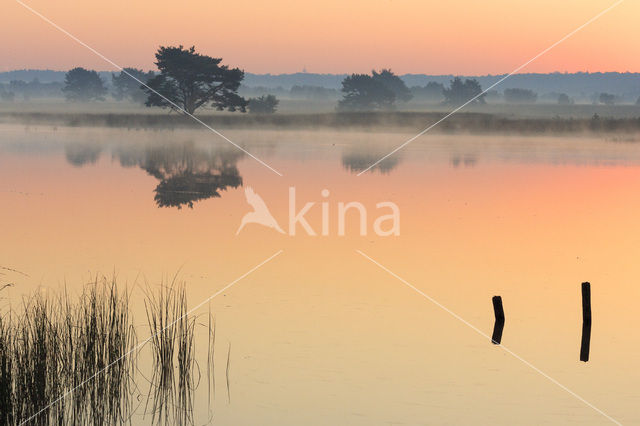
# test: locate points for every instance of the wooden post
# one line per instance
(498, 327)
(586, 322)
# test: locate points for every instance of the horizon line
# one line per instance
(346, 73)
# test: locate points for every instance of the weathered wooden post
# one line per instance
(498, 327)
(586, 322)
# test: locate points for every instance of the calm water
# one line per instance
(320, 334)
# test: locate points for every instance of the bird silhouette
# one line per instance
(260, 213)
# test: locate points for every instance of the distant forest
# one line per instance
(582, 86)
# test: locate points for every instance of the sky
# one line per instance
(332, 36)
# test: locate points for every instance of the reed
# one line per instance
(474, 122)
(73, 361)
(52, 346)
(7, 400)
(172, 344)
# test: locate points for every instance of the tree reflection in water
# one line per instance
(188, 173)
(80, 154)
(357, 161)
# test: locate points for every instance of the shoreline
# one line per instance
(482, 123)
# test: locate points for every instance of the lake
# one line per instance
(343, 329)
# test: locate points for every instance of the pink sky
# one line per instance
(331, 36)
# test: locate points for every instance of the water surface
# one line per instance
(321, 335)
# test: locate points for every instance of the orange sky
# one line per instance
(331, 36)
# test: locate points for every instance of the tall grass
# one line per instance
(578, 121)
(52, 346)
(172, 343)
(74, 360)
(7, 400)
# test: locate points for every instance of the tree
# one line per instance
(432, 91)
(83, 85)
(266, 104)
(7, 96)
(564, 99)
(461, 92)
(492, 95)
(607, 98)
(595, 123)
(35, 88)
(393, 83)
(127, 87)
(379, 90)
(363, 92)
(520, 96)
(191, 80)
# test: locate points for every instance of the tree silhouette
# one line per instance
(362, 92)
(463, 91)
(378, 91)
(7, 96)
(127, 87)
(432, 91)
(520, 96)
(263, 105)
(83, 85)
(564, 99)
(607, 99)
(191, 80)
(393, 83)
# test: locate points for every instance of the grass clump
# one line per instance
(172, 343)
(74, 361)
(53, 346)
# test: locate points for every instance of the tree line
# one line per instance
(187, 80)
(384, 90)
